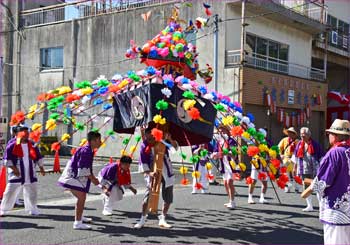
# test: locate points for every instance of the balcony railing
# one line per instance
(80, 9)
(274, 65)
(312, 10)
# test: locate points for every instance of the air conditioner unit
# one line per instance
(334, 39)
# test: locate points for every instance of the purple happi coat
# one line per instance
(11, 160)
(332, 183)
(77, 170)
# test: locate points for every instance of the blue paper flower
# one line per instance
(232, 105)
(251, 117)
(202, 89)
(102, 90)
(151, 70)
(107, 106)
(215, 97)
(98, 101)
(169, 83)
(185, 80)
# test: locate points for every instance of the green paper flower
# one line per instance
(203, 153)
(236, 121)
(183, 156)
(138, 138)
(188, 94)
(225, 151)
(95, 130)
(259, 136)
(110, 132)
(220, 107)
(103, 83)
(251, 131)
(126, 141)
(234, 151)
(194, 159)
(80, 126)
(162, 105)
(275, 148)
(244, 149)
(54, 116)
(83, 84)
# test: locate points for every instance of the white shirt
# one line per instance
(26, 163)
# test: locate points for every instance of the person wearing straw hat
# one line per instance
(306, 159)
(287, 146)
(21, 158)
(332, 185)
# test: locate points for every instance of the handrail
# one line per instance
(264, 62)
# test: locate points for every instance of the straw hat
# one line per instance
(291, 130)
(340, 127)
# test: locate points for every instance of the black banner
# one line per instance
(137, 107)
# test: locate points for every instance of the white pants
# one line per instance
(29, 195)
(115, 195)
(336, 234)
(203, 177)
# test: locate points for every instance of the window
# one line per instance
(338, 36)
(51, 58)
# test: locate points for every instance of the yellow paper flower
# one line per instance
(208, 166)
(188, 104)
(64, 90)
(65, 137)
(233, 164)
(246, 135)
(272, 168)
(254, 162)
(42, 105)
(290, 167)
(86, 91)
(31, 111)
(83, 142)
(103, 145)
(183, 170)
(36, 126)
(159, 119)
(110, 99)
(196, 174)
(30, 115)
(123, 83)
(242, 166)
(123, 152)
(263, 162)
(263, 147)
(50, 124)
(227, 121)
(272, 153)
(132, 149)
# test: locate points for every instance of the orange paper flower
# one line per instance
(252, 150)
(194, 113)
(236, 131)
(298, 180)
(276, 163)
(185, 181)
(35, 136)
(72, 97)
(55, 146)
(262, 176)
(157, 134)
(271, 176)
(249, 180)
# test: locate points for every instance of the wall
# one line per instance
(339, 9)
(299, 42)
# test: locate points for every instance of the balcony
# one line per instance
(336, 43)
(263, 62)
(307, 16)
(80, 9)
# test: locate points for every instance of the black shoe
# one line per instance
(214, 183)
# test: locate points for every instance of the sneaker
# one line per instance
(231, 205)
(226, 204)
(263, 200)
(139, 224)
(34, 212)
(86, 219)
(3, 213)
(286, 189)
(203, 191)
(308, 209)
(81, 226)
(194, 192)
(251, 201)
(164, 224)
(106, 213)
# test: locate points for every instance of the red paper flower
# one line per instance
(281, 184)
(271, 176)
(276, 163)
(185, 181)
(55, 146)
(252, 151)
(194, 113)
(198, 186)
(249, 180)
(283, 170)
(72, 97)
(284, 178)
(73, 151)
(209, 176)
(17, 118)
(298, 180)
(236, 176)
(35, 136)
(236, 131)
(157, 134)
(113, 88)
(44, 97)
(262, 176)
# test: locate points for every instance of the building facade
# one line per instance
(270, 62)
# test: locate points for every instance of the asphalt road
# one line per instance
(195, 218)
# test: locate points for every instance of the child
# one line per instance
(113, 179)
(202, 169)
(77, 177)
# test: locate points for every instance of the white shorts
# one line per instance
(255, 172)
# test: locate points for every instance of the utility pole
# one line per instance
(1, 69)
(242, 54)
(216, 48)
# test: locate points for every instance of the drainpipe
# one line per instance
(242, 53)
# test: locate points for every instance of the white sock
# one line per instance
(77, 222)
(250, 195)
(143, 218)
(262, 196)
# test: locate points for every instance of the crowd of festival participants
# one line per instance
(309, 169)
